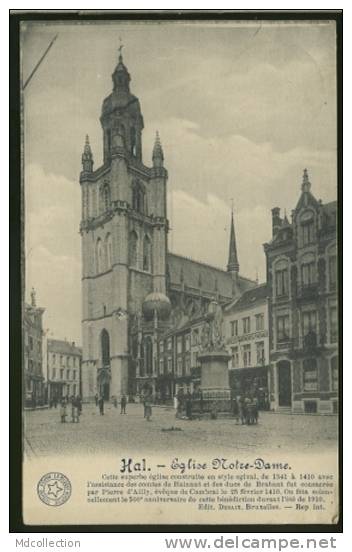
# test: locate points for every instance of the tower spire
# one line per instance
(233, 264)
(121, 77)
(120, 49)
(87, 157)
(158, 155)
(305, 182)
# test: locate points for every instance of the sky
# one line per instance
(241, 110)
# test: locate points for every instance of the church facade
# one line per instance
(134, 290)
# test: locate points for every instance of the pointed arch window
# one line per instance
(149, 355)
(147, 254)
(138, 197)
(109, 257)
(105, 197)
(141, 365)
(105, 348)
(133, 249)
(99, 256)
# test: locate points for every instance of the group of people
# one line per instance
(246, 409)
(100, 402)
(184, 404)
(245, 406)
(76, 408)
(147, 404)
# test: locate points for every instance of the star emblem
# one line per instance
(54, 489)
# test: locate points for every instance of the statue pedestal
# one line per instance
(215, 386)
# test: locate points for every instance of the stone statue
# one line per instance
(218, 340)
(205, 337)
(212, 336)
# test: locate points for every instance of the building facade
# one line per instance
(63, 369)
(33, 381)
(301, 263)
(246, 322)
(134, 290)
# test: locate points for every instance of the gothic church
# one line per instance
(133, 288)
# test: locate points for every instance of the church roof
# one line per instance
(250, 297)
(212, 278)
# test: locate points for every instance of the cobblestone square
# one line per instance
(114, 433)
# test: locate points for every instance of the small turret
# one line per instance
(306, 185)
(276, 220)
(158, 155)
(87, 157)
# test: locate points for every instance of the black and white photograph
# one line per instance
(180, 323)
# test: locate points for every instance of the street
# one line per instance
(46, 435)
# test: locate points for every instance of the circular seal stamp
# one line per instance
(54, 489)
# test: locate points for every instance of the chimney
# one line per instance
(276, 220)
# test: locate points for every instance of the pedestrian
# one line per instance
(255, 409)
(79, 404)
(237, 408)
(75, 410)
(248, 410)
(114, 401)
(123, 404)
(189, 406)
(63, 410)
(241, 409)
(148, 407)
(101, 405)
(96, 399)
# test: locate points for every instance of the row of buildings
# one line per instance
(51, 367)
(144, 307)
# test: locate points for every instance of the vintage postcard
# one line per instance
(180, 306)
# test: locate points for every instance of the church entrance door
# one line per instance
(106, 391)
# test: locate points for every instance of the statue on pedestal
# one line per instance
(212, 332)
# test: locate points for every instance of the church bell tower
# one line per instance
(124, 239)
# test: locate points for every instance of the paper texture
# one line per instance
(180, 323)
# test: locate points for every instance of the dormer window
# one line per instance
(308, 229)
(308, 232)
